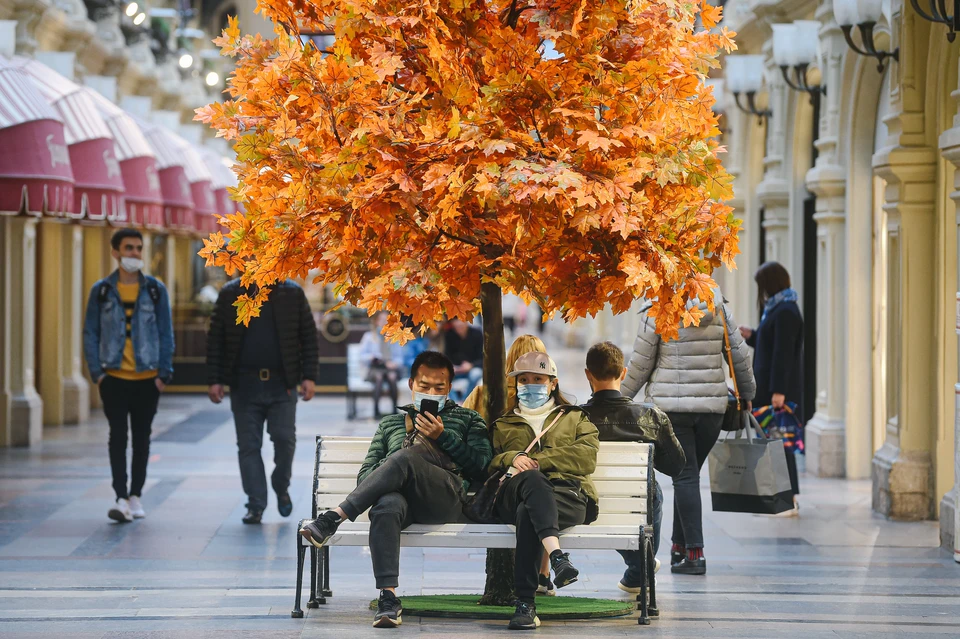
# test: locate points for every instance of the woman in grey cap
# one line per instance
(549, 487)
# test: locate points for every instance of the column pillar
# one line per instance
(76, 390)
(773, 192)
(902, 467)
(21, 409)
(825, 433)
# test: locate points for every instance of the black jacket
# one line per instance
(295, 325)
(466, 349)
(619, 419)
(778, 355)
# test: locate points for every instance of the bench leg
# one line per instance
(652, 609)
(297, 613)
(351, 406)
(644, 619)
(325, 588)
(312, 602)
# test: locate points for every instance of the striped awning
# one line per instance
(98, 193)
(35, 173)
(201, 186)
(175, 188)
(143, 200)
(223, 179)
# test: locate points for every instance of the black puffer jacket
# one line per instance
(621, 420)
(298, 335)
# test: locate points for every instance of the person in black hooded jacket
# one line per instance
(620, 419)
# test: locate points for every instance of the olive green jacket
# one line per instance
(464, 439)
(567, 451)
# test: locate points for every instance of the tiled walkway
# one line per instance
(191, 569)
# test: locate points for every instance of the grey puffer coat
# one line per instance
(686, 375)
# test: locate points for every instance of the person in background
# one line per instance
(464, 347)
(778, 353)
(477, 400)
(384, 361)
(547, 489)
(510, 304)
(417, 470)
(128, 346)
(686, 379)
(621, 420)
(263, 363)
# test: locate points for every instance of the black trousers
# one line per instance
(792, 470)
(406, 489)
(539, 509)
(254, 402)
(697, 433)
(384, 379)
(133, 405)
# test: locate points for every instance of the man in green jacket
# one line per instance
(417, 470)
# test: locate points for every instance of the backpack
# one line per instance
(152, 289)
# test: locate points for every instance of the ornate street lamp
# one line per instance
(938, 13)
(864, 14)
(744, 76)
(796, 46)
(719, 94)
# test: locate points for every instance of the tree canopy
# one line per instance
(565, 150)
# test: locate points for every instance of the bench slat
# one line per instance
(613, 473)
(608, 505)
(356, 453)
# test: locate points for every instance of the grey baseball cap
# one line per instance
(538, 363)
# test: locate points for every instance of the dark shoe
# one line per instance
(546, 587)
(284, 504)
(689, 566)
(524, 617)
(253, 516)
(676, 556)
(564, 573)
(320, 530)
(388, 611)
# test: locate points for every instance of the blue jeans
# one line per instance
(634, 558)
(474, 377)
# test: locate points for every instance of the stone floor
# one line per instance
(191, 569)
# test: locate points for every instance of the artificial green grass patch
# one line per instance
(465, 606)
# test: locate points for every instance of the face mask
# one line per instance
(419, 397)
(131, 264)
(533, 395)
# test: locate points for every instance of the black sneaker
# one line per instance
(284, 504)
(319, 531)
(564, 573)
(253, 516)
(524, 617)
(676, 556)
(689, 566)
(546, 587)
(388, 611)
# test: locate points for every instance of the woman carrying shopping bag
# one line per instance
(778, 358)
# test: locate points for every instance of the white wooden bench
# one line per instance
(624, 479)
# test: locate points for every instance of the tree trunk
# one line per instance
(498, 590)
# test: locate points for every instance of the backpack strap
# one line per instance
(104, 292)
(153, 290)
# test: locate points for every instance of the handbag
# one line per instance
(749, 474)
(734, 415)
(481, 507)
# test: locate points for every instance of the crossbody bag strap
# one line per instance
(543, 432)
(726, 340)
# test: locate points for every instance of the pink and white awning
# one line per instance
(201, 187)
(178, 204)
(98, 194)
(223, 178)
(35, 173)
(138, 165)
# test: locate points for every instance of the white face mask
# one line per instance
(131, 264)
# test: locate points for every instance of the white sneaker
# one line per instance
(136, 508)
(121, 512)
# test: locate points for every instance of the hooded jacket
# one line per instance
(687, 374)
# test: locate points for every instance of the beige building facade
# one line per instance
(860, 206)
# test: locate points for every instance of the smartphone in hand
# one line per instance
(430, 406)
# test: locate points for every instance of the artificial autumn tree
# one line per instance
(438, 155)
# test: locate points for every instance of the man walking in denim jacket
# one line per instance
(128, 345)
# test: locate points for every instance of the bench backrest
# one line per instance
(624, 477)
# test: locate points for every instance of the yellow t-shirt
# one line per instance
(128, 367)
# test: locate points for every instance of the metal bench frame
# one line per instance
(320, 558)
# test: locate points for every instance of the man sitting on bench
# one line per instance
(618, 418)
(417, 470)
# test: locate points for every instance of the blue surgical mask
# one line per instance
(419, 397)
(533, 395)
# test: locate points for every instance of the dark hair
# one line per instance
(605, 361)
(771, 278)
(431, 359)
(123, 234)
